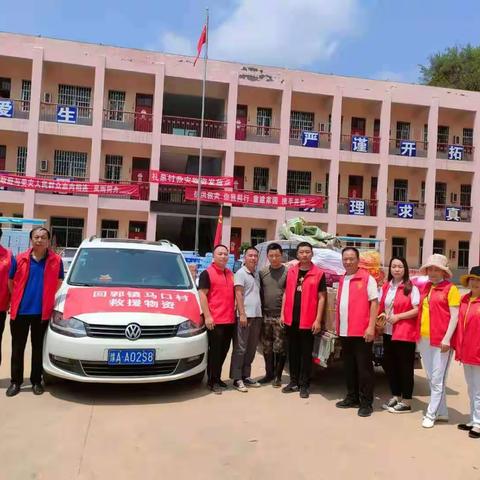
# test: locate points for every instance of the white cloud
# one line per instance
(410, 76)
(290, 33)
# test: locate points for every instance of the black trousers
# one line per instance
(219, 340)
(398, 362)
(3, 315)
(19, 329)
(300, 347)
(358, 365)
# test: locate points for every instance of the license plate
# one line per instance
(145, 356)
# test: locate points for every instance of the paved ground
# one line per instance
(164, 431)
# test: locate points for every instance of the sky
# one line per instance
(379, 39)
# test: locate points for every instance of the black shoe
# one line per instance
(37, 389)
(304, 392)
(290, 388)
(266, 379)
(473, 434)
(222, 384)
(365, 411)
(13, 390)
(216, 388)
(464, 427)
(347, 403)
(277, 382)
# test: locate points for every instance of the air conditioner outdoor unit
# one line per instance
(44, 165)
(47, 97)
(453, 197)
(318, 187)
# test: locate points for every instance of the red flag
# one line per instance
(201, 41)
(218, 232)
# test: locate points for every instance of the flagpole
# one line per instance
(202, 121)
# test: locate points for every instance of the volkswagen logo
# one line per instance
(133, 331)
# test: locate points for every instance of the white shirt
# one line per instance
(372, 295)
(392, 291)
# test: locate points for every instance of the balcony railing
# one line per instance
(12, 108)
(324, 209)
(453, 213)
(70, 114)
(408, 148)
(257, 133)
(406, 210)
(136, 121)
(360, 143)
(451, 151)
(144, 189)
(10, 188)
(357, 207)
(297, 138)
(172, 195)
(191, 127)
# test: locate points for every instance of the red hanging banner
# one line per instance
(256, 198)
(65, 186)
(185, 180)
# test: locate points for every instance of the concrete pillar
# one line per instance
(229, 162)
(226, 231)
(285, 111)
(152, 226)
(474, 253)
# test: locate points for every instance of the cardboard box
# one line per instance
(329, 320)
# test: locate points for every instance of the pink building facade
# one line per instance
(394, 161)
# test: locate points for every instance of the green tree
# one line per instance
(456, 67)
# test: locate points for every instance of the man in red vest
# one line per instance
(357, 307)
(35, 276)
(5, 264)
(216, 291)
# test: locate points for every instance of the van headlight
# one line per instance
(72, 327)
(189, 329)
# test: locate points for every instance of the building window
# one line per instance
(21, 160)
(70, 164)
(420, 250)
(5, 87)
(109, 229)
(422, 193)
(113, 168)
(25, 95)
(425, 134)
(442, 136)
(440, 194)
(67, 232)
(399, 247)
(468, 137)
(300, 121)
(257, 235)
(463, 253)
(76, 96)
(264, 119)
(299, 183)
(465, 195)
(3, 157)
(353, 244)
(260, 179)
(116, 105)
(400, 190)
(403, 131)
(439, 246)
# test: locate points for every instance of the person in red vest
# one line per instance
(438, 317)
(399, 302)
(302, 310)
(35, 277)
(468, 347)
(5, 264)
(357, 307)
(217, 299)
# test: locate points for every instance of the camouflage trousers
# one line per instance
(273, 337)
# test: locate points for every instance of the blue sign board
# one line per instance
(6, 108)
(356, 207)
(405, 210)
(359, 144)
(66, 114)
(455, 152)
(408, 148)
(310, 139)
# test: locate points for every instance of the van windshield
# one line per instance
(129, 268)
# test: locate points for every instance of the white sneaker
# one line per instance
(428, 422)
(240, 386)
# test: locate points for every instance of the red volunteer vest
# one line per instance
(309, 297)
(468, 331)
(5, 263)
(358, 304)
(221, 295)
(50, 282)
(439, 311)
(405, 330)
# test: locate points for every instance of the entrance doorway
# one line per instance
(143, 112)
(140, 174)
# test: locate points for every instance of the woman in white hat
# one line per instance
(468, 347)
(438, 317)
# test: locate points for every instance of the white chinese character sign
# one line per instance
(6, 108)
(455, 152)
(359, 144)
(356, 207)
(66, 114)
(408, 148)
(310, 139)
(405, 210)
(452, 214)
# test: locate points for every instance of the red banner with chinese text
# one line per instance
(256, 198)
(81, 301)
(66, 186)
(181, 179)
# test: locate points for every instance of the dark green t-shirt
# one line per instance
(272, 283)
